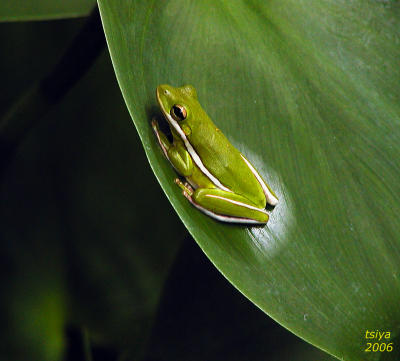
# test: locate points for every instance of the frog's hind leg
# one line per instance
(226, 206)
(270, 196)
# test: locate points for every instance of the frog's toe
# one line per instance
(189, 187)
(154, 124)
(187, 196)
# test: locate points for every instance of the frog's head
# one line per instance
(179, 106)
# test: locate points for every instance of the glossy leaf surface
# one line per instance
(309, 92)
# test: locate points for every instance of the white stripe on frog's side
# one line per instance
(271, 199)
(194, 154)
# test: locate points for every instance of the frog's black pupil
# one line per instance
(178, 112)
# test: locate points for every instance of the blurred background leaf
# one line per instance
(309, 92)
(82, 244)
(22, 10)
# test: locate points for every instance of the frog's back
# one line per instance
(226, 164)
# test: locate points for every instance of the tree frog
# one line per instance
(219, 180)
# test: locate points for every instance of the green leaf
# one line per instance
(309, 92)
(23, 10)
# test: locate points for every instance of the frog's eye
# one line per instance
(178, 112)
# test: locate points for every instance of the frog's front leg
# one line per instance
(161, 137)
(226, 206)
(175, 152)
(186, 187)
